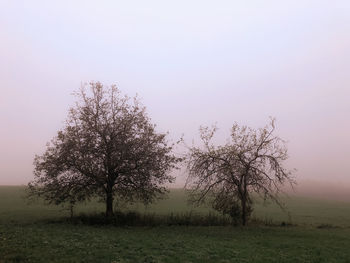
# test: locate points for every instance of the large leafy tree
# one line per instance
(108, 148)
(250, 162)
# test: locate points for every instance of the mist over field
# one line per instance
(192, 64)
(321, 190)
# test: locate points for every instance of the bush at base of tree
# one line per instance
(134, 218)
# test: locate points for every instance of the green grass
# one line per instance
(300, 210)
(71, 243)
(28, 234)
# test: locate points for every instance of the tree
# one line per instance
(108, 148)
(250, 162)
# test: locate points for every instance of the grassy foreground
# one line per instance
(70, 243)
(28, 234)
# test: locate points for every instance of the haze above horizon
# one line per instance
(192, 63)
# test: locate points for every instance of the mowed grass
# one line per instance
(71, 243)
(28, 233)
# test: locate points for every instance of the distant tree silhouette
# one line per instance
(108, 148)
(250, 162)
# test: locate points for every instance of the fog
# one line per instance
(192, 63)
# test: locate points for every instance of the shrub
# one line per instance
(133, 218)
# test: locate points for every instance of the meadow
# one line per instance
(312, 230)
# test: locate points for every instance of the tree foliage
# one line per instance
(108, 148)
(250, 162)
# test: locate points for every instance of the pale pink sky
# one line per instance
(192, 63)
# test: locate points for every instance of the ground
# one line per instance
(319, 233)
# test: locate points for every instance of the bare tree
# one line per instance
(108, 148)
(251, 161)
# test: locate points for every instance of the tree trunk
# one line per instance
(71, 208)
(244, 210)
(244, 200)
(109, 202)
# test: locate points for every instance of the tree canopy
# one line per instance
(108, 148)
(250, 162)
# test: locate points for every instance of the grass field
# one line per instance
(29, 233)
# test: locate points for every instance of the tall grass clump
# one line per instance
(134, 218)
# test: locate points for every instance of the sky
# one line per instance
(191, 62)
